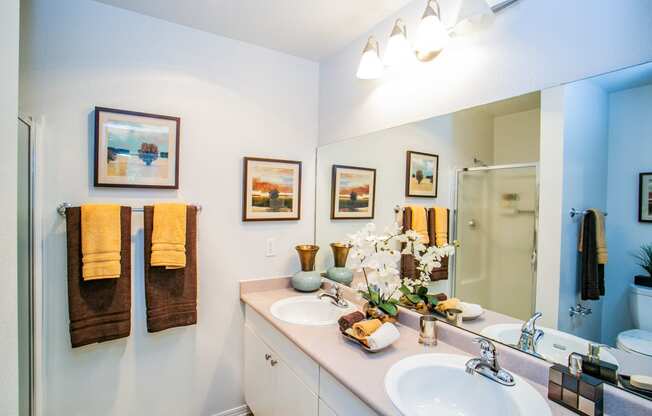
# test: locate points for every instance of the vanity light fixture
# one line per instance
(432, 36)
(370, 66)
(471, 14)
(399, 52)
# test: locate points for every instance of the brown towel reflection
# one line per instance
(99, 310)
(171, 294)
(591, 271)
(408, 263)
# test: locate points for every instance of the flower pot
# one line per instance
(307, 280)
(643, 281)
(373, 312)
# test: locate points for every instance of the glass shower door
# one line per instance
(497, 209)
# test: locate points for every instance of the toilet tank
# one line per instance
(640, 303)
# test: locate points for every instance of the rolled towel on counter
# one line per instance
(347, 321)
(365, 328)
(383, 336)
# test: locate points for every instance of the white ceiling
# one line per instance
(311, 29)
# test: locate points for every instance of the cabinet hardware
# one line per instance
(273, 362)
(267, 357)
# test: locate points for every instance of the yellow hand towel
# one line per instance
(101, 241)
(441, 226)
(363, 329)
(600, 237)
(453, 303)
(420, 222)
(169, 236)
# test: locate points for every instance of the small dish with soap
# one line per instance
(371, 334)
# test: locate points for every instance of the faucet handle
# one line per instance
(485, 345)
(529, 326)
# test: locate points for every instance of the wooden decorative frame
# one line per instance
(409, 191)
(644, 179)
(103, 175)
(336, 212)
(251, 212)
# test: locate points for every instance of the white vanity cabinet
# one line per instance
(271, 387)
(281, 380)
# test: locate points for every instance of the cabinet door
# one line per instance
(258, 375)
(293, 397)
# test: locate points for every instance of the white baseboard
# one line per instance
(238, 411)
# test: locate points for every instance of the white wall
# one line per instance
(532, 45)
(516, 137)
(9, 11)
(630, 147)
(456, 138)
(234, 100)
(585, 186)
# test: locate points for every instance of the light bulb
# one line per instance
(399, 51)
(472, 14)
(432, 36)
(370, 65)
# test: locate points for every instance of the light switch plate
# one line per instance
(270, 247)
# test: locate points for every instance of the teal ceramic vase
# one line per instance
(339, 273)
(307, 280)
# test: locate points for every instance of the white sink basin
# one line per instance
(308, 310)
(555, 345)
(437, 384)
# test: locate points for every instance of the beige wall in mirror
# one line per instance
(510, 173)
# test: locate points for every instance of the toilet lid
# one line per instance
(636, 340)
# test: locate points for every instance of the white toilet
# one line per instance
(638, 341)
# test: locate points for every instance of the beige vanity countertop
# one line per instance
(361, 372)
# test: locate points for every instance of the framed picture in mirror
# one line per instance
(271, 190)
(353, 193)
(421, 174)
(645, 197)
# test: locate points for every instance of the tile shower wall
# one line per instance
(234, 99)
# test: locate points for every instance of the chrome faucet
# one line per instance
(530, 335)
(336, 297)
(487, 364)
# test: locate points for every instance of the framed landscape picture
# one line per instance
(136, 150)
(272, 190)
(645, 197)
(422, 174)
(353, 192)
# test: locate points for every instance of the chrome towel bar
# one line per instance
(61, 209)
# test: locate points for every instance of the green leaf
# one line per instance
(375, 297)
(405, 290)
(432, 299)
(390, 308)
(422, 291)
(413, 298)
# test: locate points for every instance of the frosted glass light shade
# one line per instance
(370, 66)
(432, 36)
(399, 51)
(472, 13)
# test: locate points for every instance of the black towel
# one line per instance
(591, 273)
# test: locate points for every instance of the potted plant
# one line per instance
(377, 257)
(644, 259)
(415, 291)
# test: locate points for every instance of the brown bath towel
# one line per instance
(99, 310)
(171, 294)
(591, 271)
(442, 272)
(408, 263)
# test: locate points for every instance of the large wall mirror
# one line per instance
(547, 198)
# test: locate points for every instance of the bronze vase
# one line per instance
(340, 253)
(307, 253)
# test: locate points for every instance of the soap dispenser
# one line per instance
(594, 366)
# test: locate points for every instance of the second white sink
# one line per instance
(554, 346)
(437, 384)
(308, 310)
